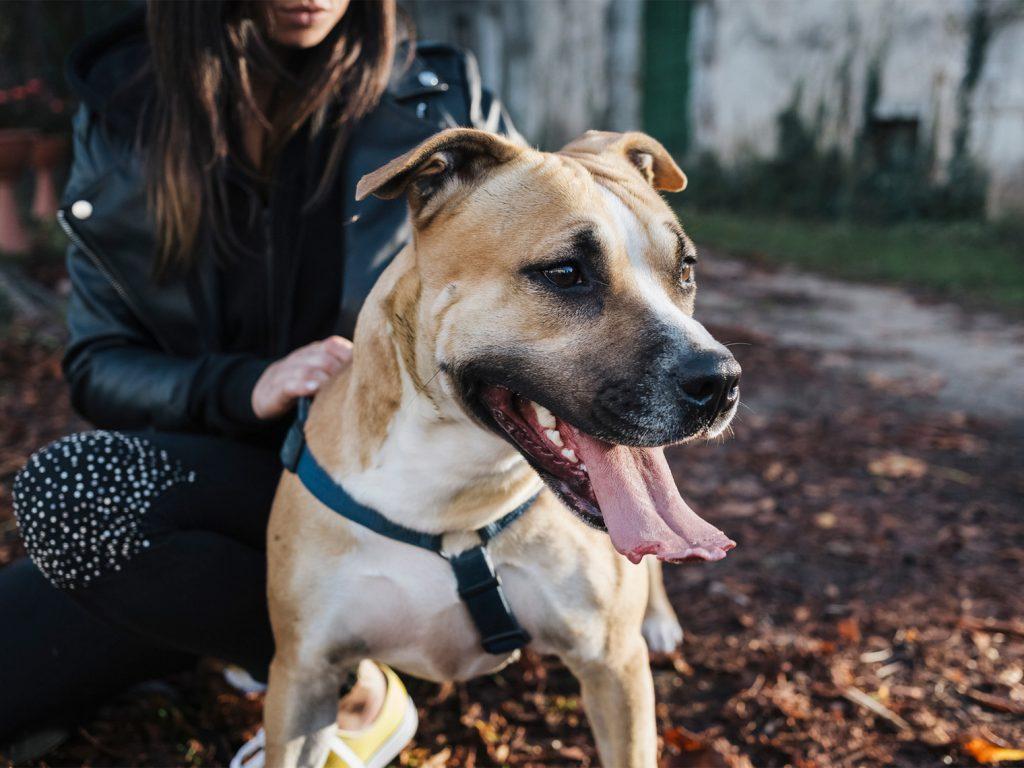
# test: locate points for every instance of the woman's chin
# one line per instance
(307, 23)
(300, 37)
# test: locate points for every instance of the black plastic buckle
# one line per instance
(480, 589)
(294, 442)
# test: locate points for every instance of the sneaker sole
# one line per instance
(252, 755)
(397, 741)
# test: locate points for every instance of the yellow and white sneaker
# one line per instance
(372, 747)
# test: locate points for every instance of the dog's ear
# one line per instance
(647, 154)
(449, 158)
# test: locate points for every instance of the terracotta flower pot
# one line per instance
(48, 152)
(15, 151)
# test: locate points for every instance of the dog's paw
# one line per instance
(662, 633)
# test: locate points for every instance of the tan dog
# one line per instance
(537, 330)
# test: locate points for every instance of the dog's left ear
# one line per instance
(647, 154)
(442, 162)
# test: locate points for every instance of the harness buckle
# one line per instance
(293, 445)
(480, 589)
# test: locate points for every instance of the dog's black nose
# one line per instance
(709, 381)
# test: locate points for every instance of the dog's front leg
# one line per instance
(661, 627)
(300, 713)
(618, 695)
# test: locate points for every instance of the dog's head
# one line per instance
(555, 297)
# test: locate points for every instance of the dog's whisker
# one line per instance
(431, 379)
(421, 393)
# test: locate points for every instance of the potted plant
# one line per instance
(48, 116)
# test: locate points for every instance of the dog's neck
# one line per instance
(397, 442)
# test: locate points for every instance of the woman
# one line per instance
(218, 262)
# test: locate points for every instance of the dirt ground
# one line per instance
(872, 614)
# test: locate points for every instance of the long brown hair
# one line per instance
(208, 56)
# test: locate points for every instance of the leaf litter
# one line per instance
(871, 615)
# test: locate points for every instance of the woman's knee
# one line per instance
(82, 503)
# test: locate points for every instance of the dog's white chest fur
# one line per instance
(399, 604)
(410, 613)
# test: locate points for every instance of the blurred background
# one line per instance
(857, 194)
(902, 113)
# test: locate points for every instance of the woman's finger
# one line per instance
(313, 373)
(335, 349)
(321, 352)
(338, 347)
(300, 386)
(288, 379)
(304, 354)
(325, 362)
(311, 361)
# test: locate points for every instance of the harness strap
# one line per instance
(478, 583)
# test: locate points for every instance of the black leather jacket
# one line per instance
(144, 353)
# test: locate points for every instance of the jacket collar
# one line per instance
(414, 78)
(109, 72)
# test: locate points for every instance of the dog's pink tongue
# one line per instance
(642, 508)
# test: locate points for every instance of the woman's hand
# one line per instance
(300, 374)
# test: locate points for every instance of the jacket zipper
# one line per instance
(268, 234)
(74, 237)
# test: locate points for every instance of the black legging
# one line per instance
(147, 551)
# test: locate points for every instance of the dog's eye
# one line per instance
(564, 275)
(687, 273)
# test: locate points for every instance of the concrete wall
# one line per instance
(752, 58)
(561, 66)
(997, 126)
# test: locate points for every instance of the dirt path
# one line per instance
(870, 616)
(965, 361)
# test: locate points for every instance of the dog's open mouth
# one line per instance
(625, 490)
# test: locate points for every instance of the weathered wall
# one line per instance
(561, 66)
(752, 58)
(997, 125)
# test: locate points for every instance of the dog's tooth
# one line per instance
(554, 436)
(544, 417)
(570, 454)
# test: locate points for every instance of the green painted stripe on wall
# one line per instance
(666, 86)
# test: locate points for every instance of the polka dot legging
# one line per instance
(147, 550)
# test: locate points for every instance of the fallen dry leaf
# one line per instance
(985, 752)
(826, 520)
(692, 750)
(438, 760)
(849, 630)
(999, 703)
(897, 465)
(684, 740)
(992, 625)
